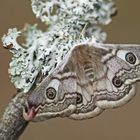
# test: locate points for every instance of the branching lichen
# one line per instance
(69, 22)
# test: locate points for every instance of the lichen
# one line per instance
(69, 22)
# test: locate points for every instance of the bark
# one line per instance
(12, 123)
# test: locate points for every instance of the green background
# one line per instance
(118, 124)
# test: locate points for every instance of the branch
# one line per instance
(12, 123)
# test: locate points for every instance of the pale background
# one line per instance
(118, 124)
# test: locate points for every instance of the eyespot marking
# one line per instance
(117, 82)
(79, 98)
(130, 58)
(50, 93)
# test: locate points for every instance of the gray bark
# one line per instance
(12, 123)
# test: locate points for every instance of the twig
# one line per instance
(12, 123)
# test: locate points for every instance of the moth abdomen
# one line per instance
(89, 71)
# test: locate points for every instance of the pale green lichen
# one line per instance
(69, 22)
(24, 65)
(90, 11)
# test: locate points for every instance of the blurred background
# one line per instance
(118, 124)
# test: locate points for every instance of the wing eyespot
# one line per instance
(117, 82)
(50, 93)
(79, 98)
(130, 58)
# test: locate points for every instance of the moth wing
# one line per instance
(97, 68)
(90, 79)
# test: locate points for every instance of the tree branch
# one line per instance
(12, 123)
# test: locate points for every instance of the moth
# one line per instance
(91, 78)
